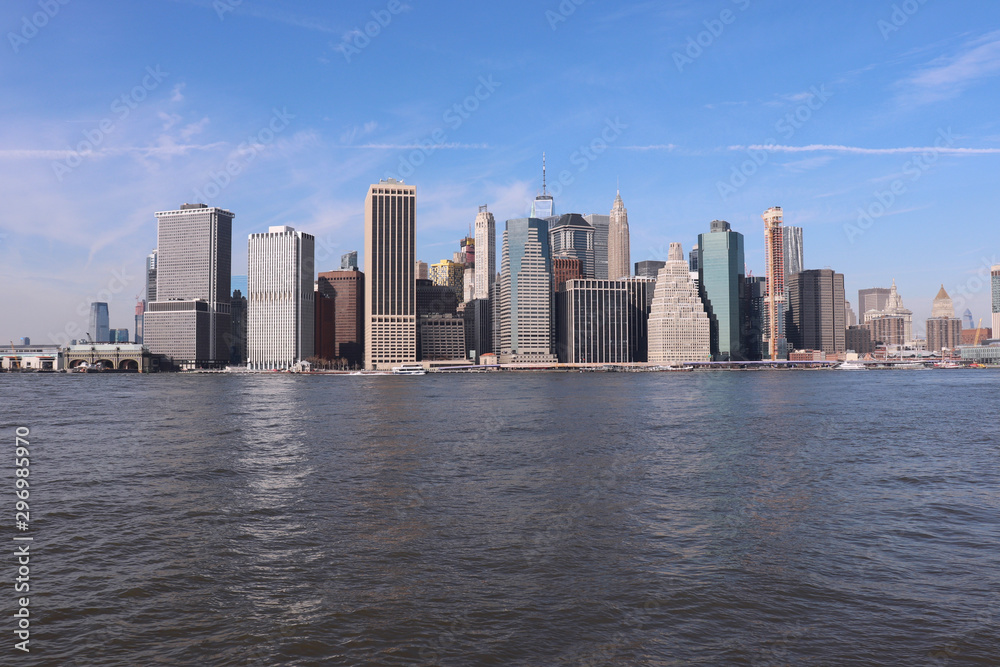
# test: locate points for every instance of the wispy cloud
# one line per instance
(859, 150)
(948, 76)
(651, 147)
(167, 149)
(408, 147)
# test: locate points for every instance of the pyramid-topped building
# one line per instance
(678, 323)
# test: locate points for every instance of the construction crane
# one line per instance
(979, 332)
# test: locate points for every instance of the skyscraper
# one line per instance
(486, 246)
(649, 268)
(871, 299)
(450, 274)
(347, 289)
(544, 206)
(525, 296)
(281, 309)
(893, 308)
(99, 328)
(995, 279)
(573, 237)
(602, 321)
(774, 264)
(189, 321)
(423, 272)
(601, 225)
(722, 285)
(151, 277)
(792, 242)
(619, 261)
(817, 311)
(678, 326)
(390, 283)
(944, 330)
(349, 261)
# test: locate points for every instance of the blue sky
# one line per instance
(701, 110)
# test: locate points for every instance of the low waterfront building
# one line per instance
(982, 354)
(111, 356)
(30, 357)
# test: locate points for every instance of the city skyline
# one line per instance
(826, 135)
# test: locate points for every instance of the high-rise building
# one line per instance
(679, 330)
(486, 243)
(447, 273)
(151, 277)
(238, 329)
(859, 339)
(573, 237)
(871, 300)
(603, 321)
(649, 268)
(722, 285)
(390, 283)
(693, 265)
(563, 269)
(190, 320)
(995, 279)
(525, 313)
(325, 327)
(422, 271)
(140, 310)
(888, 330)
(944, 330)
(602, 231)
(544, 206)
(442, 337)
(281, 309)
(755, 318)
(347, 289)
(116, 336)
(349, 261)
(967, 321)
(619, 261)
(791, 238)
(775, 298)
(893, 308)
(99, 329)
(851, 319)
(816, 311)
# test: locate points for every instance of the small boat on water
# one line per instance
(852, 366)
(409, 369)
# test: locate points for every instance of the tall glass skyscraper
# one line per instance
(573, 237)
(722, 285)
(794, 257)
(99, 330)
(525, 313)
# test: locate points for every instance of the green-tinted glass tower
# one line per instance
(722, 283)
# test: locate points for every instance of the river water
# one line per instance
(708, 518)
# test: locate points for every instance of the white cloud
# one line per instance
(949, 76)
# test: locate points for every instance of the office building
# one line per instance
(944, 330)
(755, 318)
(573, 237)
(722, 286)
(995, 282)
(447, 273)
(442, 337)
(390, 283)
(619, 261)
(237, 339)
(649, 268)
(893, 308)
(524, 313)
(816, 311)
(967, 321)
(603, 321)
(791, 238)
(858, 338)
(422, 271)
(678, 326)
(486, 243)
(775, 297)
(189, 319)
(347, 289)
(99, 329)
(140, 310)
(693, 265)
(349, 261)
(563, 269)
(872, 300)
(888, 330)
(117, 336)
(851, 319)
(325, 327)
(602, 231)
(281, 308)
(151, 277)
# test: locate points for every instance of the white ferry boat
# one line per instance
(852, 366)
(409, 369)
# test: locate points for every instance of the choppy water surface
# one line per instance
(547, 519)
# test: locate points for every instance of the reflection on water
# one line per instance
(543, 519)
